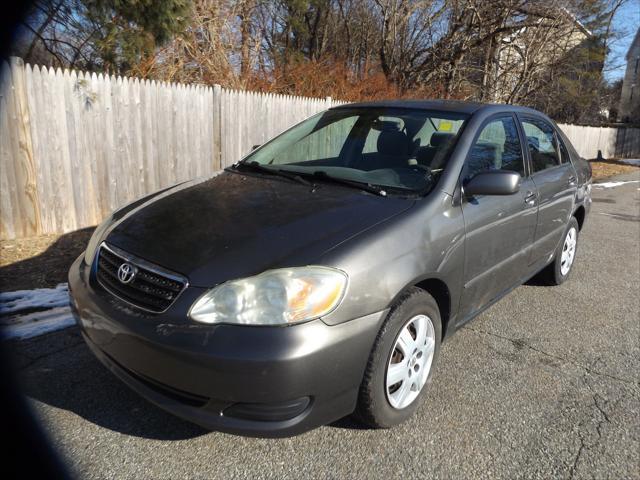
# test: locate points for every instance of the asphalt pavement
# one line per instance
(545, 384)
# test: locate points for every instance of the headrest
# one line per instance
(392, 142)
(440, 138)
(534, 142)
(385, 125)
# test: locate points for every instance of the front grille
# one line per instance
(153, 288)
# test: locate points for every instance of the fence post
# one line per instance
(328, 101)
(23, 158)
(217, 127)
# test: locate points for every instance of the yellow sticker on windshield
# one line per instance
(445, 126)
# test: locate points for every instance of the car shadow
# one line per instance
(68, 377)
(349, 423)
(538, 280)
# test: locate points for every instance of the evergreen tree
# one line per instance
(109, 35)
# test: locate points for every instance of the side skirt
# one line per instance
(500, 296)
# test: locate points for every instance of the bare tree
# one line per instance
(515, 51)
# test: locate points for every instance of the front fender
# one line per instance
(424, 242)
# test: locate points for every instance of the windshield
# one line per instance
(395, 148)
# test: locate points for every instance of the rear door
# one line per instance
(499, 230)
(556, 183)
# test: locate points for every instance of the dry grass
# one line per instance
(608, 168)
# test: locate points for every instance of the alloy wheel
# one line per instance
(410, 361)
(568, 251)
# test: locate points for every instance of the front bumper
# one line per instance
(257, 381)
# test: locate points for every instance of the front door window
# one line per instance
(497, 148)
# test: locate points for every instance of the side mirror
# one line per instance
(254, 147)
(498, 182)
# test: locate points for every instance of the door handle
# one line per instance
(572, 181)
(530, 198)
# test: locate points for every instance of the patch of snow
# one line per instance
(631, 161)
(29, 313)
(613, 184)
(34, 324)
(39, 298)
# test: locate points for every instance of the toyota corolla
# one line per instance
(318, 276)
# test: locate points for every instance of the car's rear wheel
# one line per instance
(559, 270)
(401, 362)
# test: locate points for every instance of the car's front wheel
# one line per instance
(401, 362)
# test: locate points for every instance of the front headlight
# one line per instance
(275, 297)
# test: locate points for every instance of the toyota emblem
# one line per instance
(126, 273)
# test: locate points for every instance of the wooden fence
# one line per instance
(609, 142)
(74, 146)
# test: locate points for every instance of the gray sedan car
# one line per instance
(318, 276)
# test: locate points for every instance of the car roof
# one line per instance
(439, 105)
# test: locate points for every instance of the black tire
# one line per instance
(374, 408)
(552, 274)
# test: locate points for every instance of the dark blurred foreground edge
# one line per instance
(26, 449)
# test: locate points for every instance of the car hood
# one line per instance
(235, 225)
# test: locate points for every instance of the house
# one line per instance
(629, 109)
(529, 53)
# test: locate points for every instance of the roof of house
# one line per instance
(577, 22)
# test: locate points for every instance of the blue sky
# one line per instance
(626, 22)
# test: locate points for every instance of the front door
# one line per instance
(556, 182)
(499, 229)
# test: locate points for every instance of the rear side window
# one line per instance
(497, 148)
(542, 144)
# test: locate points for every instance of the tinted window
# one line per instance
(497, 148)
(541, 139)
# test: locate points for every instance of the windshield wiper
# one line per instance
(254, 166)
(298, 177)
(367, 187)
